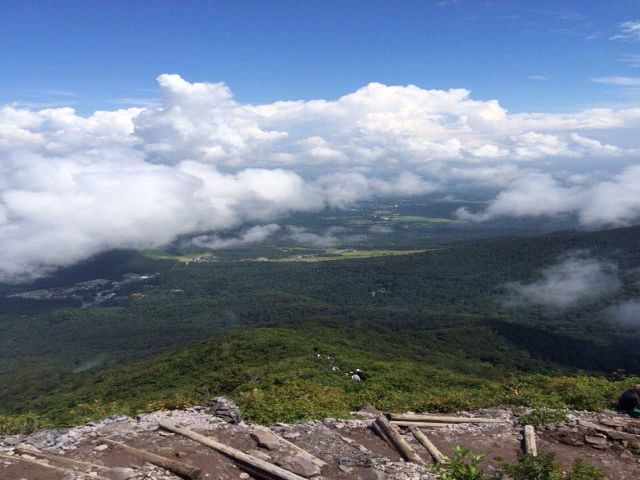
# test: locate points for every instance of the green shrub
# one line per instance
(542, 416)
(464, 465)
(546, 467)
(26, 423)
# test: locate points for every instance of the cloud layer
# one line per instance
(200, 162)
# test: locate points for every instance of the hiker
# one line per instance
(629, 401)
(361, 374)
(355, 377)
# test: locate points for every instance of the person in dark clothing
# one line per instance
(629, 401)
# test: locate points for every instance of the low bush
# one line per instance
(464, 465)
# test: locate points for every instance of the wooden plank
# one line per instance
(529, 441)
(57, 459)
(417, 417)
(181, 469)
(407, 452)
(404, 423)
(65, 471)
(266, 469)
(436, 454)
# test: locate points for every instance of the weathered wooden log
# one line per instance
(376, 428)
(436, 454)
(183, 470)
(404, 423)
(65, 471)
(312, 458)
(256, 465)
(417, 417)
(401, 445)
(529, 441)
(57, 459)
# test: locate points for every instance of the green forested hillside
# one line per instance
(275, 374)
(442, 309)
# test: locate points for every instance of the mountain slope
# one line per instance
(275, 374)
(443, 307)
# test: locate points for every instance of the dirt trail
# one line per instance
(349, 447)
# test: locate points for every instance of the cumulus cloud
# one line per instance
(610, 202)
(199, 161)
(577, 278)
(250, 236)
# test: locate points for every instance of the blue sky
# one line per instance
(531, 55)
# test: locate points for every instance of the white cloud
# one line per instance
(614, 201)
(576, 279)
(626, 313)
(537, 78)
(250, 236)
(72, 186)
(331, 237)
(629, 30)
(619, 81)
(633, 59)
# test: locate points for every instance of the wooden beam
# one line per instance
(403, 447)
(404, 423)
(376, 428)
(416, 417)
(312, 458)
(62, 461)
(266, 469)
(65, 471)
(529, 441)
(436, 454)
(181, 469)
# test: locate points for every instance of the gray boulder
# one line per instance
(225, 409)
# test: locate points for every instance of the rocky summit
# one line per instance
(322, 449)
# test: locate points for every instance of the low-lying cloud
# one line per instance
(200, 162)
(331, 237)
(577, 278)
(250, 236)
(610, 202)
(626, 313)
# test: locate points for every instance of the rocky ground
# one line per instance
(349, 447)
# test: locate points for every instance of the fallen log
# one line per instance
(376, 428)
(65, 471)
(436, 454)
(312, 458)
(57, 459)
(529, 441)
(255, 465)
(416, 417)
(401, 445)
(181, 469)
(404, 423)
